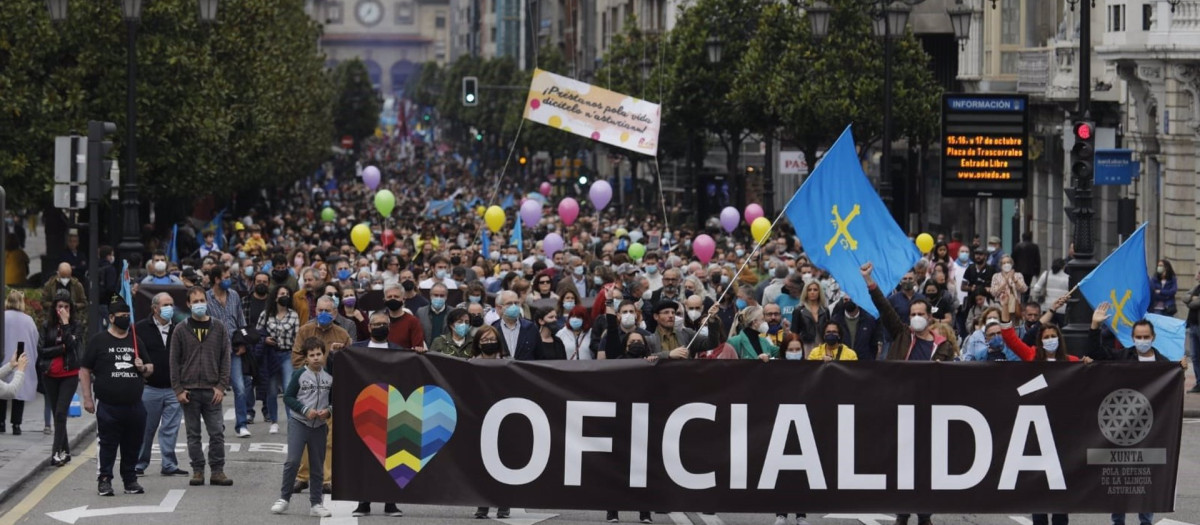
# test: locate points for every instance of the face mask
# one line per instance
(575, 323)
(279, 275)
(794, 356)
(996, 342)
(394, 304)
(964, 258)
(377, 287)
(651, 269)
(474, 299)
(693, 314)
(324, 318)
(628, 320)
(512, 312)
(991, 249)
(607, 262)
(510, 258)
(160, 266)
(343, 275)
(1143, 345)
(703, 331)
(379, 333)
(616, 304)
(437, 302)
(636, 349)
(724, 279)
(739, 252)
(763, 327)
(455, 261)
(476, 320)
(199, 310)
(647, 295)
(492, 348)
(1006, 267)
(579, 270)
(907, 286)
(441, 274)
(167, 312)
(249, 271)
(378, 255)
(918, 323)
(852, 308)
(832, 339)
(597, 280)
(408, 286)
(461, 329)
(1160, 270)
(568, 305)
(64, 280)
(226, 284)
(285, 301)
(121, 322)
(740, 303)
(1051, 344)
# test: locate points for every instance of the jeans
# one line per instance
(18, 410)
(200, 406)
(119, 427)
(327, 470)
(279, 368)
(1055, 519)
(47, 412)
(1144, 518)
(239, 392)
(304, 440)
(59, 392)
(162, 417)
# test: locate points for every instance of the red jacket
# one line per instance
(1024, 351)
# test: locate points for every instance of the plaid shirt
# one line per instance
(229, 313)
(283, 330)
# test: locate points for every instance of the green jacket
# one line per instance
(444, 344)
(741, 344)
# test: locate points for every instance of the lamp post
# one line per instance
(58, 10)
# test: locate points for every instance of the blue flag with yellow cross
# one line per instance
(842, 223)
(1122, 281)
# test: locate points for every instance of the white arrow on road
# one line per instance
(1166, 521)
(520, 517)
(865, 519)
(72, 515)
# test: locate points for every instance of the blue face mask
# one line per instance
(342, 275)
(474, 299)
(512, 312)
(226, 284)
(441, 274)
(336, 301)
(578, 270)
(249, 271)
(575, 323)
(168, 312)
(964, 258)
(199, 309)
(437, 302)
(568, 305)
(324, 318)
(461, 329)
(740, 303)
(996, 342)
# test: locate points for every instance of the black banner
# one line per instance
(747, 436)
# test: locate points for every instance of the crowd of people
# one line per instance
(258, 312)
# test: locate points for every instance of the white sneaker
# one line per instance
(279, 507)
(274, 428)
(781, 520)
(319, 511)
(243, 432)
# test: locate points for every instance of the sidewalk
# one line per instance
(24, 456)
(1191, 402)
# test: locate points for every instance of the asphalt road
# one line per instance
(255, 464)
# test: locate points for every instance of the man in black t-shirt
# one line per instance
(112, 368)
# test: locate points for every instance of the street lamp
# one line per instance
(646, 66)
(58, 10)
(960, 19)
(208, 10)
(713, 46)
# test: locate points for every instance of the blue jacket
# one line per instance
(527, 340)
(867, 336)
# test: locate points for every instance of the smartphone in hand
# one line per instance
(20, 348)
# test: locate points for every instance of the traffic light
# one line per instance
(523, 160)
(426, 118)
(470, 91)
(99, 168)
(1083, 154)
(479, 136)
(583, 180)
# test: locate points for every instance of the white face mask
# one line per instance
(1143, 345)
(763, 327)
(160, 266)
(64, 280)
(918, 323)
(703, 331)
(627, 321)
(1006, 267)
(693, 314)
(1051, 344)
(794, 356)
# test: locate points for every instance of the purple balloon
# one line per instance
(600, 194)
(370, 177)
(531, 212)
(729, 219)
(568, 210)
(703, 247)
(551, 244)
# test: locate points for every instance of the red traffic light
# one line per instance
(1083, 130)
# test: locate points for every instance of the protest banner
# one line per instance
(597, 113)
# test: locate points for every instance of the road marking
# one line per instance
(46, 486)
(865, 519)
(341, 510)
(679, 518)
(520, 517)
(169, 502)
(1166, 521)
(229, 415)
(1191, 421)
(711, 519)
(1021, 520)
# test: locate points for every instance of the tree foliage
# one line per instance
(356, 107)
(241, 103)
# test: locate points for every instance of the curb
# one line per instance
(1191, 412)
(88, 431)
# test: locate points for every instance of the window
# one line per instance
(333, 12)
(493, 34)
(1010, 22)
(404, 13)
(440, 22)
(1147, 16)
(1116, 18)
(1008, 62)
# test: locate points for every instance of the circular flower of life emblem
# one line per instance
(1126, 417)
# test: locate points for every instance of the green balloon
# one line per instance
(636, 251)
(328, 215)
(385, 202)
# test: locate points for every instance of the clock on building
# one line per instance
(369, 12)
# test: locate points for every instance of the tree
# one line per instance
(356, 109)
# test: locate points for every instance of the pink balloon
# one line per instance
(551, 244)
(753, 211)
(568, 210)
(545, 189)
(370, 177)
(729, 219)
(600, 194)
(703, 247)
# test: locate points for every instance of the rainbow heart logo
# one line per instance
(404, 434)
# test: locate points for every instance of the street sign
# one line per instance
(985, 145)
(70, 160)
(1114, 167)
(70, 197)
(347, 142)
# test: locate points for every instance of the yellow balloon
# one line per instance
(760, 228)
(924, 242)
(479, 210)
(494, 217)
(621, 232)
(360, 235)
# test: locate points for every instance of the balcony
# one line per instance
(1051, 73)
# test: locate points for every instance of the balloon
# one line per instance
(551, 244)
(479, 210)
(545, 189)
(760, 228)
(531, 213)
(328, 215)
(620, 233)
(387, 238)
(600, 194)
(637, 250)
(568, 210)
(360, 235)
(370, 176)
(703, 247)
(494, 217)
(924, 242)
(729, 219)
(385, 202)
(753, 211)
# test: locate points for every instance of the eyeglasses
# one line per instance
(543, 282)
